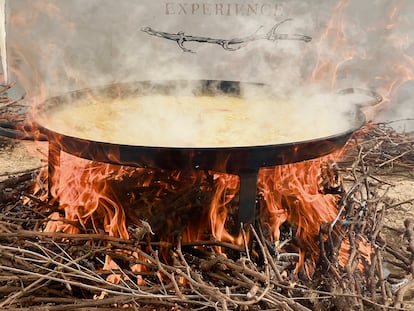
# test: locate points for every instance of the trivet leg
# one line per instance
(52, 164)
(247, 197)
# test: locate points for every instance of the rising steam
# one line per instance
(56, 46)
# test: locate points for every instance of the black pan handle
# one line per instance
(376, 97)
(24, 132)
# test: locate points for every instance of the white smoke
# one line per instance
(56, 46)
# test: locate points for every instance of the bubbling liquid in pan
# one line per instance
(193, 121)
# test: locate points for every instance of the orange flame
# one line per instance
(89, 198)
(227, 186)
(90, 201)
(333, 49)
(291, 194)
(337, 47)
(85, 192)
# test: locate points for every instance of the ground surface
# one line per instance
(17, 157)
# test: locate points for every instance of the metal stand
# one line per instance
(247, 197)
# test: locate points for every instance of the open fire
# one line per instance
(197, 208)
(294, 197)
(206, 192)
(245, 179)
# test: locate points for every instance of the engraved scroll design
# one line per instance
(228, 44)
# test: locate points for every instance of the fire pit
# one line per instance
(62, 118)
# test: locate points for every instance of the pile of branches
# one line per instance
(57, 271)
(12, 111)
(382, 148)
